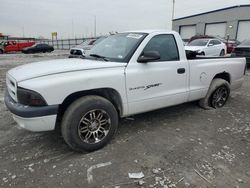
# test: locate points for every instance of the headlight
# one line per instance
(29, 98)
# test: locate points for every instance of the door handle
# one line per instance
(181, 70)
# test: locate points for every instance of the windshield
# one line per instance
(245, 43)
(198, 42)
(98, 40)
(118, 48)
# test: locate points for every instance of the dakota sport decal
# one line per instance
(145, 87)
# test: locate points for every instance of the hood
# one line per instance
(44, 68)
(194, 48)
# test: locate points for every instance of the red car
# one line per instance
(13, 46)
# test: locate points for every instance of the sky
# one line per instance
(75, 18)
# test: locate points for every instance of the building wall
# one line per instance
(231, 16)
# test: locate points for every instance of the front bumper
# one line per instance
(75, 56)
(37, 124)
(32, 118)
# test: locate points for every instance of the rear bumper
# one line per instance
(32, 118)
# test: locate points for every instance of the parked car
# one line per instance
(37, 48)
(243, 50)
(125, 74)
(14, 46)
(207, 47)
(1, 47)
(230, 44)
(80, 50)
(185, 41)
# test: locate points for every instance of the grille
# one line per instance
(11, 87)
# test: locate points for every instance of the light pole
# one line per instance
(173, 11)
(95, 25)
(23, 31)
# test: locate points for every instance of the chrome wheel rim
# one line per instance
(94, 126)
(219, 97)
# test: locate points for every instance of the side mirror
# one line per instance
(149, 56)
(210, 45)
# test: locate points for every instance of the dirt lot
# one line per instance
(182, 146)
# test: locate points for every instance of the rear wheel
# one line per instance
(217, 94)
(1, 51)
(219, 97)
(203, 53)
(89, 123)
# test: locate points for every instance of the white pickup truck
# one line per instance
(125, 74)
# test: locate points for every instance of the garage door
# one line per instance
(187, 32)
(243, 31)
(218, 29)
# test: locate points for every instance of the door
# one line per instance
(38, 48)
(243, 31)
(217, 29)
(187, 32)
(160, 83)
(212, 49)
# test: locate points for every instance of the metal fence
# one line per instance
(64, 44)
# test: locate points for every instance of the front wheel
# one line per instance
(89, 123)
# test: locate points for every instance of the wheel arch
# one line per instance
(110, 94)
(223, 75)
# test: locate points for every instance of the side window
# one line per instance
(166, 46)
(211, 42)
(216, 42)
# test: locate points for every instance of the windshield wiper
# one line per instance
(99, 56)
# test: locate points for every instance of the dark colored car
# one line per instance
(243, 50)
(37, 48)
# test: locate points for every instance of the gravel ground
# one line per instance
(182, 146)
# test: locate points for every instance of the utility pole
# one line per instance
(95, 25)
(73, 30)
(23, 31)
(173, 10)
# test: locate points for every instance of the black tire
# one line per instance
(1, 51)
(222, 53)
(203, 53)
(74, 121)
(209, 101)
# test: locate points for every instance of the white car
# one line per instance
(207, 47)
(80, 50)
(125, 74)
